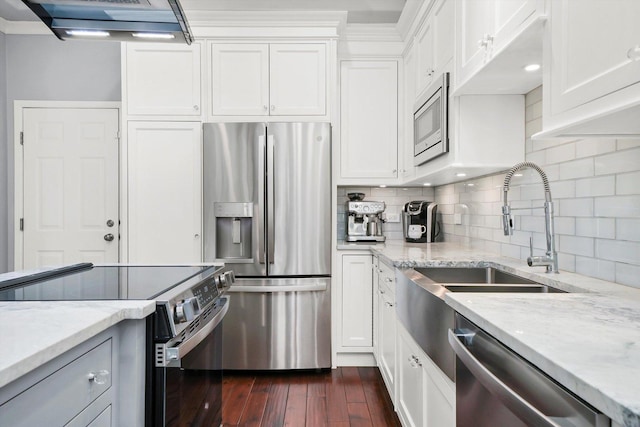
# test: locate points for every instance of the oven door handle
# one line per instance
(320, 287)
(174, 354)
(512, 400)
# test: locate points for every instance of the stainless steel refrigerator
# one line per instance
(267, 216)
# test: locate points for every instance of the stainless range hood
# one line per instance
(118, 20)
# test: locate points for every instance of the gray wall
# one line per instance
(3, 155)
(44, 68)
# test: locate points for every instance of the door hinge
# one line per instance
(21, 138)
(21, 224)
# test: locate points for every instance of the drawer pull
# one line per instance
(388, 279)
(634, 53)
(98, 377)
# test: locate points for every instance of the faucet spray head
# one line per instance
(507, 220)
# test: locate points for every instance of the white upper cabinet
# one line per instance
(239, 79)
(268, 80)
(434, 43)
(504, 33)
(592, 67)
(162, 79)
(297, 79)
(368, 120)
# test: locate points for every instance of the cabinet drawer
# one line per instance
(59, 397)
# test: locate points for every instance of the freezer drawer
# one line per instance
(278, 324)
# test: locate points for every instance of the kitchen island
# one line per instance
(588, 340)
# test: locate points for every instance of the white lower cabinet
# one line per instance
(386, 351)
(425, 395)
(357, 301)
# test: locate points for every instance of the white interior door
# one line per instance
(70, 178)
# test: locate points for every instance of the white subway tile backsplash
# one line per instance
(623, 144)
(577, 245)
(383, 192)
(618, 206)
(561, 153)
(628, 183)
(628, 229)
(598, 268)
(604, 228)
(592, 187)
(576, 207)
(532, 127)
(595, 184)
(628, 274)
(618, 162)
(594, 147)
(618, 250)
(577, 169)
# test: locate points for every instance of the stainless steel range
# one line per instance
(184, 343)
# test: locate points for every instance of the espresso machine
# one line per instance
(364, 219)
(419, 223)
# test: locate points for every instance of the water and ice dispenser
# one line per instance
(233, 230)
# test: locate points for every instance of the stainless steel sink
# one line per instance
(482, 279)
(420, 294)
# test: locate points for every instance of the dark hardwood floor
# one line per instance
(343, 397)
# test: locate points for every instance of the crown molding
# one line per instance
(414, 12)
(235, 24)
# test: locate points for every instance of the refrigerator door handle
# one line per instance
(270, 199)
(261, 198)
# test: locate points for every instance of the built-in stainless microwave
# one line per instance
(430, 122)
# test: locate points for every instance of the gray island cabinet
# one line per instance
(98, 382)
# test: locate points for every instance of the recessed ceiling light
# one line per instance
(163, 36)
(88, 33)
(471, 184)
(461, 174)
(532, 67)
(427, 184)
(382, 186)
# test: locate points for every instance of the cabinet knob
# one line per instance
(389, 304)
(197, 236)
(394, 171)
(430, 72)
(388, 279)
(196, 108)
(109, 237)
(634, 53)
(98, 377)
(273, 107)
(265, 108)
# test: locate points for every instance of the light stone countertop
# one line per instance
(33, 333)
(587, 340)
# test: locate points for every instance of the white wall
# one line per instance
(3, 156)
(596, 192)
(45, 68)
(394, 198)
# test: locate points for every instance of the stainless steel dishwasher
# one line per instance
(496, 387)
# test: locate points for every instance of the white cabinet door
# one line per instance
(165, 192)
(387, 339)
(239, 79)
(162, 79)
(434, 43)
(486, 27)
(369, 119)
(410, 401)
(297, 76)
(591, 45)
(357, 301)
(407, 168)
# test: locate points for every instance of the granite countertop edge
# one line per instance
(35, 332)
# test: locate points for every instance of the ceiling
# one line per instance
(358, 11)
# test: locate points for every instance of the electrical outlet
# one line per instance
(393, 217)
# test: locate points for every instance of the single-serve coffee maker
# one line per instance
(419, 221)
(364, 219)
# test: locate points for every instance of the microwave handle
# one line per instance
(512, 400)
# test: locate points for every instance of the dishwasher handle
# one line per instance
(512, 400)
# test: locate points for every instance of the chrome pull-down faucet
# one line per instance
(550, 260)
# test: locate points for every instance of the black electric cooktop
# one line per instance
(88, 282)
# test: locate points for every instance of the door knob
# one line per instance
(108, 237)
